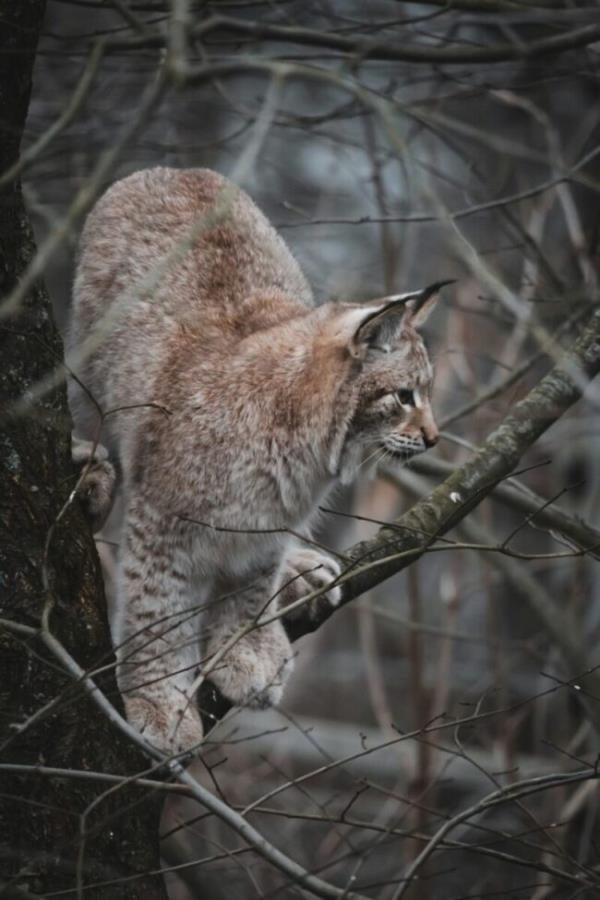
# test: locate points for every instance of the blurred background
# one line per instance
(384, 176)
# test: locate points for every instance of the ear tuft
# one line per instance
(420, 304)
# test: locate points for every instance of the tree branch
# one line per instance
(361, 49)
(413, 53)
(531, 504)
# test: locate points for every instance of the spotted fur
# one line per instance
(232, 405)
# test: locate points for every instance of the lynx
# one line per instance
(232, 404)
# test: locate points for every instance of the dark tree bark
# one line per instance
(41, 824)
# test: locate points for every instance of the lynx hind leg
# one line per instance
(306, 570)
(255, 668)
(97, 489)
(156, 633)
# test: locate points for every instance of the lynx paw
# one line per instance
(173, 730)
(97, 488)
(307, 570)
(97, 491)
(254, 671)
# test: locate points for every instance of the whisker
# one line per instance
(371, 455)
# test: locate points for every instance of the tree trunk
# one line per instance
(47, 841)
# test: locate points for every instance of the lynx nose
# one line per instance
(430, 438)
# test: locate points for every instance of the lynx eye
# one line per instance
(406, 397)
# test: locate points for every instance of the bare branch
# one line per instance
(362, 49)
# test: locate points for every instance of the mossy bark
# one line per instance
(52, 831)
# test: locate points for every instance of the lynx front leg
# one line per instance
(156, 637)
(252, 669)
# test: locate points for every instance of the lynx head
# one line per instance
(389, 380)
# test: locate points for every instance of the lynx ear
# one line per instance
(380, 323)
